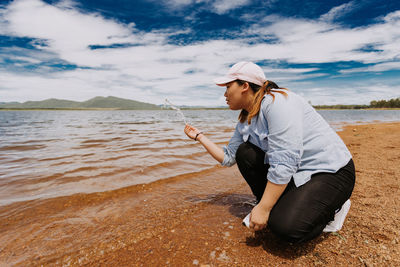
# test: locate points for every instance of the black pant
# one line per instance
(301, 213)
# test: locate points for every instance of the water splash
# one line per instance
(178, 110)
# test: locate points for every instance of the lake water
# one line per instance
(46, 154)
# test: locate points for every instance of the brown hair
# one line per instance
(259, 91)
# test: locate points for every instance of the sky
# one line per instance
(330, 52)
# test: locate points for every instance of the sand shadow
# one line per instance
(273, 245)
(239, 206)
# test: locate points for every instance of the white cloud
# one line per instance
(181, 2)
(65, 28)
(3, 22)
(174, 5)
(154, 70)
(360, 94)
(310, 41)
(338, 11)
(375, 68)
(216, 6)
(223, 6)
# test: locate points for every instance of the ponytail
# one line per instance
(267, 88)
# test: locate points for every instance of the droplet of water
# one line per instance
(178, 110)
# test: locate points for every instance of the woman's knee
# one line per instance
(284, 229)
(292, 230)
(249, 154)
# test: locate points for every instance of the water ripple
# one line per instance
(58, 153)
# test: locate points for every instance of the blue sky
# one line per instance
(330, 52)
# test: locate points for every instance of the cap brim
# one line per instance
(222, 81)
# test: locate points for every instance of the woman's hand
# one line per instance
(215, 151)
(259, 218)
(191, 131)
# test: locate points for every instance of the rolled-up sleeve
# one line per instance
(231, 148)
(285, 138)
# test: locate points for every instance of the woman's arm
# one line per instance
(260, 213)
(215, 151)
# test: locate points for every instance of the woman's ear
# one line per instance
(246, 87)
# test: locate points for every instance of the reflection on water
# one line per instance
(54, 153)
(51, 153)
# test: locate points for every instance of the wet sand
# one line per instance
(195, 219)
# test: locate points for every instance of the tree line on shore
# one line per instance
(392, 103)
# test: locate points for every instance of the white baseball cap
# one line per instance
(245, 71)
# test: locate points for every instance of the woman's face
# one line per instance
(233, 95)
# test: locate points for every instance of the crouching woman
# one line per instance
(299, 170)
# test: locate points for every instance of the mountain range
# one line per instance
(98, 102)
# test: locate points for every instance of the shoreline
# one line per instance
(195, 219)
(184, 108)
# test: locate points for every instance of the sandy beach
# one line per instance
(195, 220)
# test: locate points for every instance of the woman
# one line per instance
(298, 168)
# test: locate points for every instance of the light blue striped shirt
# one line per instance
(298, 142)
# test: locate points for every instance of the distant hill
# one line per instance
(98, 102)
(1, 103)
